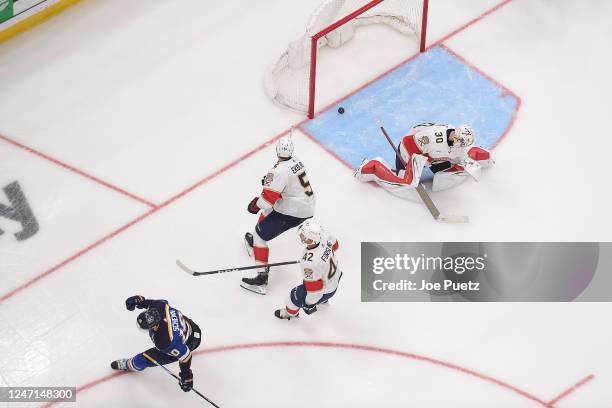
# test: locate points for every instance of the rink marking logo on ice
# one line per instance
(436, 86)
(18, 211)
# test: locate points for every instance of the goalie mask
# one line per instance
(310, 233)
(465, 135)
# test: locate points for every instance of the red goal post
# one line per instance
(291, 81)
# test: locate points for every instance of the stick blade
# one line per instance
(452, 219)
(184, 268)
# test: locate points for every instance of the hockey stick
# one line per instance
(242, 268)
(421, 190)
(175, 376)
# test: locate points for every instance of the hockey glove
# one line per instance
(186, 382)
(309, 309)
(253, 208)
(134, 302)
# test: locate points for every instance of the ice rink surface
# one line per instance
(138, 132)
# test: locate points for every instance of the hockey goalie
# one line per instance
(448, 151)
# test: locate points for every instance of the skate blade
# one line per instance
(278, 316)
(253, 288)
(452, 219)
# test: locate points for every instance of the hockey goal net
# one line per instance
(291, 80)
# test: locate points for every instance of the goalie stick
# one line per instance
(175, 376)
(438, 216)
(242, 268)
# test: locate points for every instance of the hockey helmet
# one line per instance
(148, 319)
(284, 147)
(310, 233)
(465, 134)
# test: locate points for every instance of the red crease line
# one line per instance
(505, 91)
(322, 146)
(401, 63)
(230, 165)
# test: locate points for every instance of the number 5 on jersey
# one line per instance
(305, 183)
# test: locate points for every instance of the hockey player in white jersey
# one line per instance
(320, 272)
(447, 150)
(287, 200)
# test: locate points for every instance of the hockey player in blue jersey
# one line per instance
(174, 335)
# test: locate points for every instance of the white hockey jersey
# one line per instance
(320, 268)
(287, 190)
(431, 140)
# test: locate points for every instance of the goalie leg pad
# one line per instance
(415, 169)
(473, 168)
(377, 170)
(403, 191)
(444, 180)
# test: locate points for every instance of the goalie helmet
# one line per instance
(284, 147)
(310, 233)
(148, 319)
(465, 135)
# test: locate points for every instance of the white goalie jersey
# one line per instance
(287, 190)
(320, 268)
(431, 141)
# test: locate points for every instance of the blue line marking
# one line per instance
(433, 87)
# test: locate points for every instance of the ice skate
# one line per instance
(120, 364)
(283, 314)
(257, 284)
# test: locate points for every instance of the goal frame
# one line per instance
(315, 38)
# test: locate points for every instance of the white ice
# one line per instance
(153, 97)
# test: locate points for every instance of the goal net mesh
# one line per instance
(288, 80)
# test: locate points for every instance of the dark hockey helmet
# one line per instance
(148, 319)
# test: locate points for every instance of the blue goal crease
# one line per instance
(433, 87)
